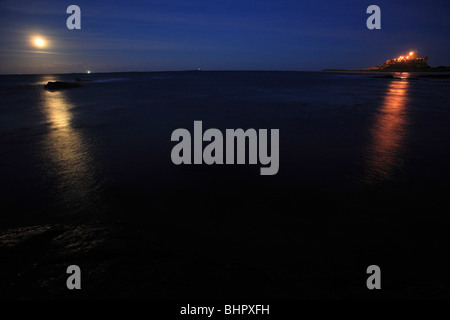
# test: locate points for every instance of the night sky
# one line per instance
(154, 35)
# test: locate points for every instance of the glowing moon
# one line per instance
(39, 42)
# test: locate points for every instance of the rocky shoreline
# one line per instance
(117, 261)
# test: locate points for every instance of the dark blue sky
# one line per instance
(153, 35)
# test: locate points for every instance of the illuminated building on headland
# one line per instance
(409, 61)
(406, 63)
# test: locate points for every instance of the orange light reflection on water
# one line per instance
(388, 132)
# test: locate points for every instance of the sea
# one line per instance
(363, 175)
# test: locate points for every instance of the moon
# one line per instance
(39, 42)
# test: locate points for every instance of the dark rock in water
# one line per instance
(58, 85)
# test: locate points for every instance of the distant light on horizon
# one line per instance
(89, 71)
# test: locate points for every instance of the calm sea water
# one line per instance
(351, 146)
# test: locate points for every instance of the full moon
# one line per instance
(39, 42)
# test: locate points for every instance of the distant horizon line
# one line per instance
(160, 71)
(197, 70)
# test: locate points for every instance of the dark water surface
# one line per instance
(363, 171)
